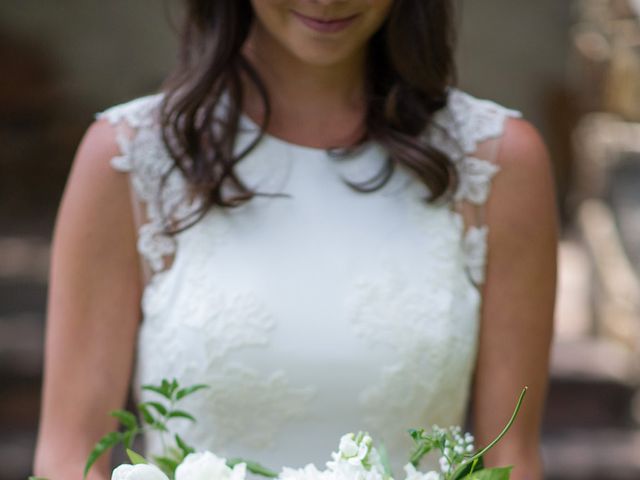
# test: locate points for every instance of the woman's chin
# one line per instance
(322, 55)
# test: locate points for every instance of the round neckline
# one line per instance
(249, 122)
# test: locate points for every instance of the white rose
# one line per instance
(308, 472)
(207, 466)
(140, 471)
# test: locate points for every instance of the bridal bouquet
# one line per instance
(355, 459)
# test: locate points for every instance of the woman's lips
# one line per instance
(326, 26)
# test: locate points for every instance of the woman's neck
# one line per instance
(320, 97)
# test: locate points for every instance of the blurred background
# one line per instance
(572, 68)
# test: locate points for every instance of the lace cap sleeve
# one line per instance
(127, 118)
(470, 132)
(144, 157)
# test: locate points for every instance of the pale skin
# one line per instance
(92, 315)
(518, 301)
(95, 280)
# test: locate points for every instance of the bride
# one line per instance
(313, 220)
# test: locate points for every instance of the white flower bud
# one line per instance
(141, 471)
(348, 447)
(363, 450)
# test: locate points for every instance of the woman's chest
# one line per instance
(329, 310)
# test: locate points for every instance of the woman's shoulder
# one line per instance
(475, 120)
(138, 112)
(470, 120)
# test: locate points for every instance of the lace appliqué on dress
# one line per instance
(475, 179)
(462, 127)
(474, 245)
(197, 347)
(144, 156)
(241, 406)
(433, 348)
(195, 344)
(226, 321)
(434, 343)
(261, 406)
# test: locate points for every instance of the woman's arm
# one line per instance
(518, 301)
(92, 312)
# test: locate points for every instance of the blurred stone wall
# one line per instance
(104, 50)
(515, 52)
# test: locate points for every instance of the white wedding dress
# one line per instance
(322, 313)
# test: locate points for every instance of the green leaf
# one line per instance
(424, 444)
(253, 467)
(186, 449)
(183, 392)
(384, 459)
(464, 470)
(38, 478)
(158, 390)
(161, 427)
(161, 409)
(108, 441)
(127, 419)
(180, 414)
(173, 387)
(153, 422)
(166, 387)
(129, 437)
(174, 453)
(167, 465)
(491, 474)
(146, 414)
(135, 458)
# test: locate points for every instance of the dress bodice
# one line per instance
(319, 313)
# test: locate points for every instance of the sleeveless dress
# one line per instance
(316, 314)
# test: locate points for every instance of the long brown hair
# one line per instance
(410, 66)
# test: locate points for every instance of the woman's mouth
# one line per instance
(326, 26)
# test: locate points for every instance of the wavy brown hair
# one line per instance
(409, 64)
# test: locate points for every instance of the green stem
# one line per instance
(253, 467)
(165, 452)
(451, 470)
(505, 429)
(473, 466)
(420, 452)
